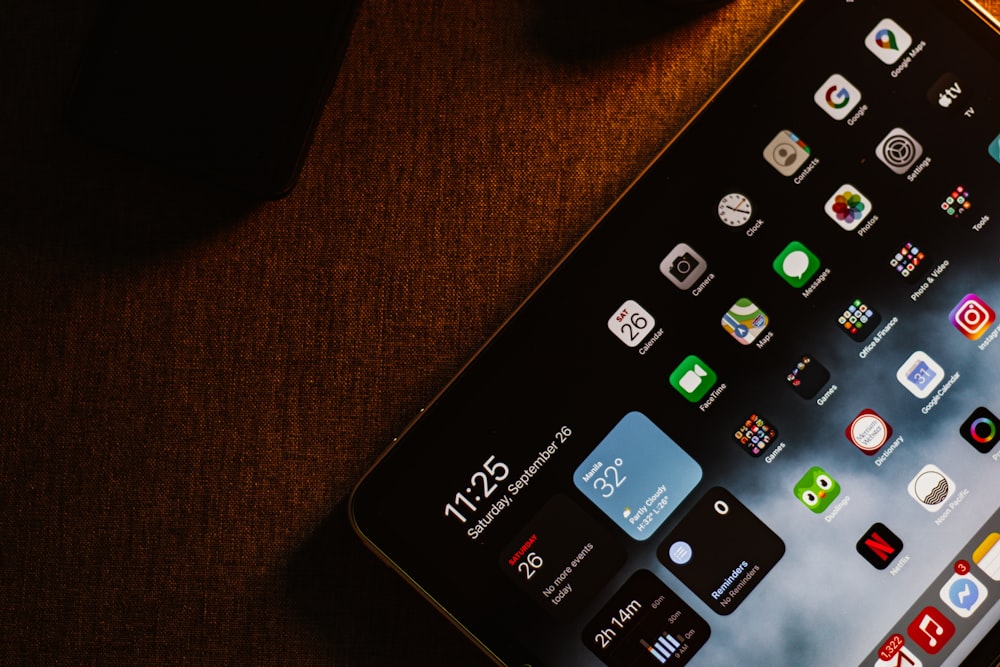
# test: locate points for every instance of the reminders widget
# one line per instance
(637, 476)
(646, 623)
(562, 557)
(721, 551)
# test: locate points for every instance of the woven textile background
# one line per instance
(190, 385)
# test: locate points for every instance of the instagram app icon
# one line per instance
(972, 316)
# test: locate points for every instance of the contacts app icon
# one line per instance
(786, 152)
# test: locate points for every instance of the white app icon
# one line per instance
(920, 374)
(888, 41)
(931, 488)
(987, 556)
(837, 96)
(963, 593)
(848, 207)
(631, 322)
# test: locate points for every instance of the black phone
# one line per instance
(228, 91)
(753, 417)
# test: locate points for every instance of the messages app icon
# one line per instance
(796, 264)
(637, 475)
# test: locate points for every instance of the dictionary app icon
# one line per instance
(721, 551)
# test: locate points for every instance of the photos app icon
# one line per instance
(848, 207)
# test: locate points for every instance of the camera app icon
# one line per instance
(683, 266)
(972, 316)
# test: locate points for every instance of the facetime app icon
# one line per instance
(693, 378)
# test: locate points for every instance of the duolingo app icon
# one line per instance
(796, 264)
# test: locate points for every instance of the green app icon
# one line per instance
(693, 378)
(817, 489)
(796, 264)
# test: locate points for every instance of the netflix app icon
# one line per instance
(879, 546)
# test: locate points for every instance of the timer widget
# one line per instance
(637, 476)
(645, 623)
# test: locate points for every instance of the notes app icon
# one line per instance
(987, 556)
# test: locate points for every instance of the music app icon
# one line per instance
(931, 630)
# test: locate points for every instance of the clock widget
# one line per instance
(735, 209)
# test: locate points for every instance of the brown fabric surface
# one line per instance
(191, 385)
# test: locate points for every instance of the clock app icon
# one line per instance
(735, 209)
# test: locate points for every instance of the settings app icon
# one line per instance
(899, 151)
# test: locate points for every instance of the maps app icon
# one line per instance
(744, 321)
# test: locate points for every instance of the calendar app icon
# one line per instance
(631, 323)
(920, 374)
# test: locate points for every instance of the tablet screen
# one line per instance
(754, 414)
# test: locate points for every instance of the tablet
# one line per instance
(752, 417)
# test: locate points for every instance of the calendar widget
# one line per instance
(562, 558)
(637, 476)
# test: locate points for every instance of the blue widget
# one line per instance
(637, 475)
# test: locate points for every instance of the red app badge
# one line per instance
(930, 630)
